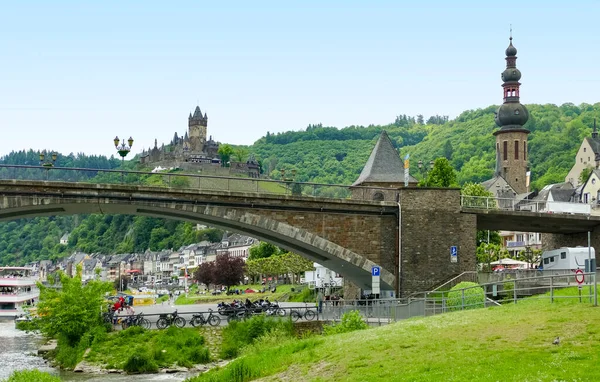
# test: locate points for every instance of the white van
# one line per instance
(568, 259)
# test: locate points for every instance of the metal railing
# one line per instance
(185, 181)
(510, 204)
(508, 290)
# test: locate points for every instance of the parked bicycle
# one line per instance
(309, 315)
(138, 320)
(165, 320)
(199, 320)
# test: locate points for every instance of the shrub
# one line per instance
(474, 297)
(306, 295)
(27, 326)
(351, 321)
(140, 362)
(31, 376)
(237, 334)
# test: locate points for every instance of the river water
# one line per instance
(18, 351)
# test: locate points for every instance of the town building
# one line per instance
(588, 156)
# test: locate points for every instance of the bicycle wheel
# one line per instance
(280, 312)
(310, 315)
(179, 322)
(214, 320)
(196, 321)
(145, 323)
(124, 325)
(162, 323)
(295, 316)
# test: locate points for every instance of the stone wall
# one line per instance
(431, 224)
(555, 240)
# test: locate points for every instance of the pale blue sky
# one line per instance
(75, 74)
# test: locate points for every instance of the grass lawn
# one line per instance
(512, 342)
(283, 292)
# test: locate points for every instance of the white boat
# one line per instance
(17, 289)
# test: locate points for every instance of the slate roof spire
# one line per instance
(384, 165)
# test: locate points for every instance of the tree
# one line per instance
(228, 270)
(486, 253)
(263, 250)
(205, 274)
(225, 151)
(585, 174)
(479, 197)
(448, 150)
(420, 119)
(240, 154)
(442, 175)
(67, 313)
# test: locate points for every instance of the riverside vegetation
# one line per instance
(512, 342)
(318, 154)
(72, 315)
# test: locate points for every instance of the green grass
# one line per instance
(512, 342)
(283, 291)
(31, 376)
(136, 347)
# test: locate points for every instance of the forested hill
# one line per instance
(318, 154)
(331, 155)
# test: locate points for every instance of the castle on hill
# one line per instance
(195, 152)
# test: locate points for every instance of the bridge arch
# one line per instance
(24, 203)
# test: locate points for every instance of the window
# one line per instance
(524, 150)
(505, 148)
(563, 255)
(546, 261)
(581, 160)
(516, 149)
(584, 149)
(552, 259)
(378, 197)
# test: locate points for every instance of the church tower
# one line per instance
(197, 124)
(511, 138)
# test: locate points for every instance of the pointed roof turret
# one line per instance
(384, 164)
(197, 113)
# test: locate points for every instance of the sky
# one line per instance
(73, 75)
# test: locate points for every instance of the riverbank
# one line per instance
(513, 342)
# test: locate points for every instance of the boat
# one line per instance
(17, 290)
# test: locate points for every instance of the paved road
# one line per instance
(151, 312)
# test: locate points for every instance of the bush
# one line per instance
(140, 363)
(27, 326)
(306, 295)
(31, 376)
(474, 297)
(238, 334)
(351, 321)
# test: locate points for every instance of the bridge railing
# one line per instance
(510, 204)
(180, 180)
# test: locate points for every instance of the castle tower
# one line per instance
(197, 124)
(511, 138)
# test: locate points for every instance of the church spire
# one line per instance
(511, 115)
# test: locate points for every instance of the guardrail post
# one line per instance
(515, 290)
(595, 291)
(551, 289)
(463, 299)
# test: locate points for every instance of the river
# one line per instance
(18, 351)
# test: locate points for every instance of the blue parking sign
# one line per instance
(375, 271)
(453, 253)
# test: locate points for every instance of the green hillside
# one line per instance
(318, 154)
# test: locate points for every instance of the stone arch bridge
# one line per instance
(348, 236)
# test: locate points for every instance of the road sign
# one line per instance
(375, 271)
(453, 254)
(579, 277)
(375, 279)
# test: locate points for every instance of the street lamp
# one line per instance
(47, 162)
(123, 150)
(424, 170)
(528, 255)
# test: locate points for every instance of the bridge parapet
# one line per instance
(176, 179)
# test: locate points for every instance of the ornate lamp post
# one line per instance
(47, 162)
(424, 170)
(123, 150)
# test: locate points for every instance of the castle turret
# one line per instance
(511, 138)
(197, 125)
